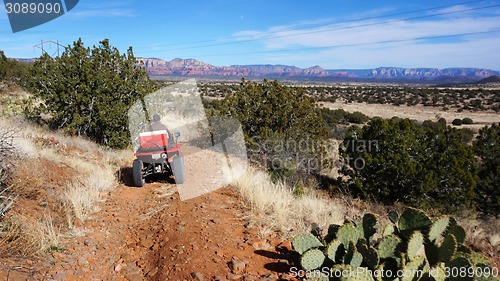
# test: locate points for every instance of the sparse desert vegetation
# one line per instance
(59, 165)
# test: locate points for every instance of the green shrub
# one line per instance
(399, 161)
(467, 121)
(87, 92)
(487, 148)
(457, 122)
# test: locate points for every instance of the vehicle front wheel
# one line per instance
(137, 173)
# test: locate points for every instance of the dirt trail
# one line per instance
(150, 234)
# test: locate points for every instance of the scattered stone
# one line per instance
(118, 267)
(285, 246)
(219, 278)
(285, 277)
(197, 276)
(283, 261)
(83, 262)
(237, 266)
(249, 278)
(152, 272)
(146, 242)
(268, 277)
(231, 276)
(136, 276)
(87, 242)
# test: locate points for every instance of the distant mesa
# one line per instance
(490, 80)
(192, 67)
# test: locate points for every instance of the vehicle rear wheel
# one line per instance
(137, 173)
(178, 169)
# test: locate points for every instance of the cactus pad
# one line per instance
(411, 220)
(388, 230)
(316, 276)
(411, 269)
(438, 228)
(457, 231)
(459, 265)
(312, 259)
(370, 255)
(332, 250)
(369, 225)
(348, 232)
(415, 242)
(351, 273)
(388, 246)
(304, 242)
(448, 248)
(393, 217)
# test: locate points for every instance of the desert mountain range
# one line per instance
(192, 67)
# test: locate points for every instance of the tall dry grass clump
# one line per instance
(27, 237)
(66, 175)
(275, 208)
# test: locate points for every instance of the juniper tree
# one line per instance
(87, 91)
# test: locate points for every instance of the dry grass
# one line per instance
(275, 208)
(68, 173)
(24, 236)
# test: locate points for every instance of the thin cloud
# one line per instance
(103, 13)
(465, 51)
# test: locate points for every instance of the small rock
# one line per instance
(197, 276)
(285, 276)
(87, 243)
(236, 266)
(219, 278)
(268, 277)
(83, 262)
(136, 276)
(152, 272)
(231, 276)
(118, 267)
(285, 246)
(249, 278)
(283, 261)
(147, 243)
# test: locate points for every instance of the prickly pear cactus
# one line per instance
(457, 231)
(415, 242)
(352, 273)
(370, 254)
(312, 259)
(393, 217)
(459, 265)
(347, 233)
(388, 230)
(438, 227)
(412, 268)
(333, 250)
(448, 248)
(352, 247)
(388, 246)
(316, 276)
(413, 220)
(304, 242)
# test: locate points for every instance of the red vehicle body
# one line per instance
(158, 154)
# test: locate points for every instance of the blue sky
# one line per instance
(333, 34)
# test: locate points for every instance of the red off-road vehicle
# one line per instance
(158, 153)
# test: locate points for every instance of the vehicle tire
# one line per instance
(137, 173)
(178, 169)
